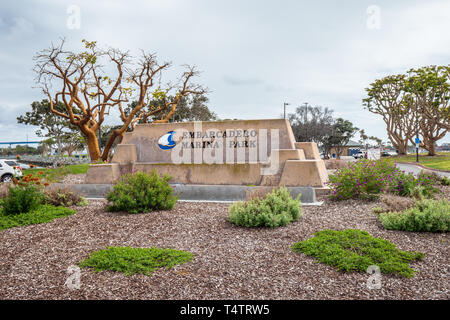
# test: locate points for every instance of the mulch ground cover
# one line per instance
(229, 263)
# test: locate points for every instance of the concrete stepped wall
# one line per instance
(294, 164)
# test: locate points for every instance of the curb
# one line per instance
(211, 193)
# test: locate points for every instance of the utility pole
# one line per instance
(284, 108)
(306, 121)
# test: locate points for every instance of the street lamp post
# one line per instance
(99, 126)
(306, 121)
(417, 135)
(284, 108)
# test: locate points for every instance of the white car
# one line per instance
(9, 169)
(359, 155)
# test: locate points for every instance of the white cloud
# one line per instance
(254, 54)
(21, 27)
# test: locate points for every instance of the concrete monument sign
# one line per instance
(238, 152)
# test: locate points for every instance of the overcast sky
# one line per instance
(254, 54)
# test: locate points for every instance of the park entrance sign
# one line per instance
(238, 152)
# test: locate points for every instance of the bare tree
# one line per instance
(311, 123)
(81, 82)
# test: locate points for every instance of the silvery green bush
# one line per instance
(140, 192)
(276, 209)
(426, 215)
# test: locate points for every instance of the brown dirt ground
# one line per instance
(230, 262)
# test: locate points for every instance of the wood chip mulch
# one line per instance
(230, 262)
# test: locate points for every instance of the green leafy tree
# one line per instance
(341, 133)
(47, 146)
(73, 142)
(193, 108)
(428, 91)
(387, 98)
(50, 125)
(411, 104)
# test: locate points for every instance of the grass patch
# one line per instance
(425, 216)
(78, 168)
(57, 174)
(135, 260)
(43, 214)
(356, 250)
(441, 161)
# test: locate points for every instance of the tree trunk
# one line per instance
(92, 144)
(401, 146)
(116, 134)
(59, 148)
(431, 148)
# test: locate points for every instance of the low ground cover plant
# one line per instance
(368, 179)
(42, 214)
(426, 216)
(276, 209)
(135, 260)
(140, 192)
(356, 250)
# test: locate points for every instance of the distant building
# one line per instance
(443, 147)
(351, 148)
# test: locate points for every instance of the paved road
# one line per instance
(416, 169)
(411, 168)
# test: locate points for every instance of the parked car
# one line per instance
(359, 155)
(385, 154)
(9, 169)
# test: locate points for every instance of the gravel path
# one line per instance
(230, 262)
(74, 178)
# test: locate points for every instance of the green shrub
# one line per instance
(367, 179)
(275, 209)
(356, 250)
(135, 260)
(435, 178)
(140, 192)
(426, 215)
(63, 197)
(21, 199)
(43, 214)
(361, 179)
(445, 181)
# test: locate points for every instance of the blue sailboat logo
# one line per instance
(166, 142)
